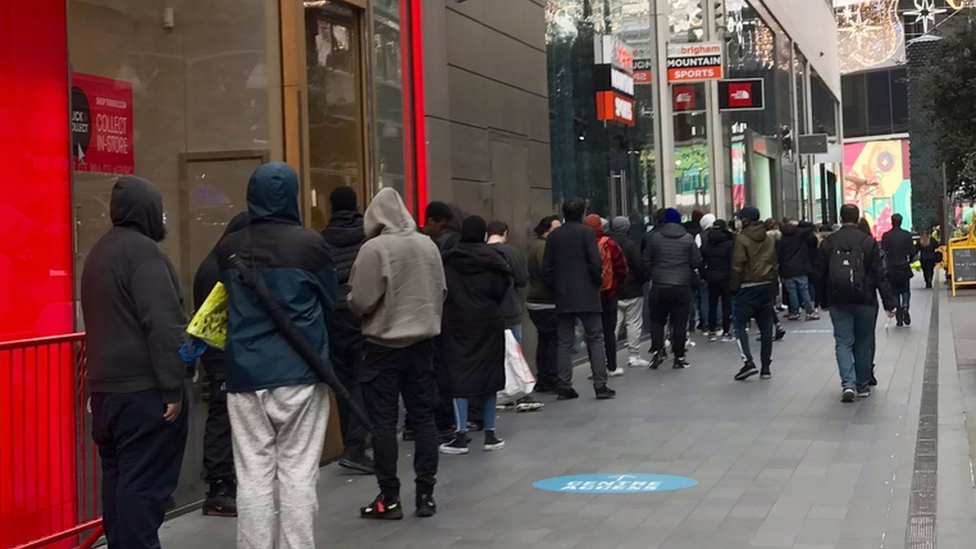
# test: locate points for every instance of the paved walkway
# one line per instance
(779, 463)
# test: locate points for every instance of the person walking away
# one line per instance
(344, 235)
(716, 251)
(899, 250)
(630, 301)
(792, 252)
(753, 281)
(614, 277)
(218, 450)
(928, 256)
(278, 407)
(542, 309)
(672, 258)
(572, 266)
(512, 306)
(131, 304)
(694, 228)
(473, 332)
(865, 227)
(397, 287)
(706, 223)
(849, 276)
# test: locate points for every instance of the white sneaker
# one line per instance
(638, 362)
(689, 344)
(615, 373)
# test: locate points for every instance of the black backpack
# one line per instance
(846, 274)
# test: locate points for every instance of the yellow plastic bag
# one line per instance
(209, 324)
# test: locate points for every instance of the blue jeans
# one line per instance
(798, 289)
(488, 411)
(516, 331)
(854, 339)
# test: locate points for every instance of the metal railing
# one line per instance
(48, 463)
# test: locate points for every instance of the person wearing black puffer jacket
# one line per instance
(344, 236)
(795, 268)
(716, 251)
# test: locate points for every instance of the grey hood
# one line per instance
(386, 214)
(138, 205)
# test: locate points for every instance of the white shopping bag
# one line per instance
(519, 380)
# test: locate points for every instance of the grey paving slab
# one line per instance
(780, 463)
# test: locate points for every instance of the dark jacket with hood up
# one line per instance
(573, 268)
(793, 250)
(295, 265)
(131, 301)
(344, 236)
(716, 250)
(473, 332)
(671, 255)
(634, 286)
(754, 260)
(208, 275)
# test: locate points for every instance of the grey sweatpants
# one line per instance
(278, 436)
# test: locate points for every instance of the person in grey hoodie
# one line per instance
(132, 306)
(397, 286)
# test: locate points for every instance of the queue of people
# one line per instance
(423, 316)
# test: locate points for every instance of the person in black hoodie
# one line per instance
(473, 331)
(716, 251)
(344, 236)
(630, 301)
(132, 307)
(795, 269)
(218, 451)
(899, 249)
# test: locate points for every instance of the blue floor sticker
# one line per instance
(614, 484)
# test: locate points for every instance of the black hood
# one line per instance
(790, 230)
(718, 236)
(673, 230)
(272, 194)
(345, 229)
(475, 257)
(138, 205)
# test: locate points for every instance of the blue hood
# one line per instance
(272, 194)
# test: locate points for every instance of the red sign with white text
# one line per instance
(614, 107)
(740, 95)
(684, 98)
(101, 125)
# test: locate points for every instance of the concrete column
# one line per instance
(716, 151)
(664, 129)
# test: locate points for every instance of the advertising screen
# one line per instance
(877, 179)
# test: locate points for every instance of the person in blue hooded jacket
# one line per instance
(278, 407)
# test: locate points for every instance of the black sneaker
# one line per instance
(567, 394)
(605, 393)
(873, 382)
(457, 446)
(780, 333)
(657, 358)
(765, 373)
(357, 461)
(748, 370)
(492, 442)
(407, 434)
(426, 506)
(221, 501)
(383, 509)
(447, 435)
(863, 392)
(680, 363)
(793, 316)
(907, 318)
(848, 396)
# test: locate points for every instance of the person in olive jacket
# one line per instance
(754, 270)
(541, 305)
(716, 250)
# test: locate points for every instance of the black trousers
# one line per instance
(928, 271)
(717, 290)
(609, 318)
(141, 458)
(346, 354)
(755, 302)
(669, 303)
(547, 325)
(386, 375)
(218, 449)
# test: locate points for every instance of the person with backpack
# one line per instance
(572, 267)
(613, 278)
(716, 251)
(849, 275)
(630, 303)
(672, 259)
(899, 250)
(755, 271)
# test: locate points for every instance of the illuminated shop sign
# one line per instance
(610, 50)
(741, 95)
(695, 62)
(614, 107)
(609, 78)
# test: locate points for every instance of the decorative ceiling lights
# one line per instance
(924, 13)
(870, 34)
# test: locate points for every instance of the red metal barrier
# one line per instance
(48, 464)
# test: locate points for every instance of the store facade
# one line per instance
(191, 95)
(684, 151)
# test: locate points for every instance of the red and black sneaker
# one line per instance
(383, 509)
